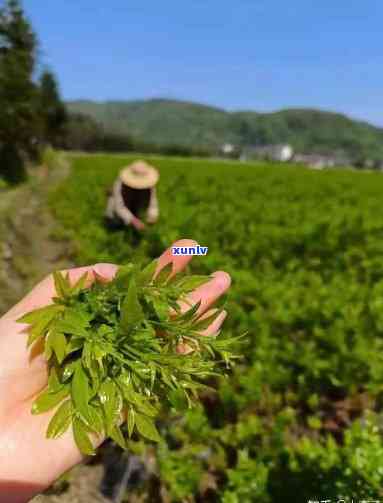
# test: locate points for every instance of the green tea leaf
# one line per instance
(48, 348)
(68, 370)
(190, 283)
(94, 420)
(54, 384)
(96, 376)
(153, 373)
(35, 333)
(81, 438)
(116, 435)
(46, 314)
(221, 302)
(111, 400)
(163, 276)
(147, 428)
(80, 391)
(46, 400)
(62, 284)
(74, 344)
(73, 322)
(203, 324)
(131, 311)
(57, 342)
(61, 421)
(190, 313)
(139, 401)
(80, 284)
(87, 355)
(145, 277)
(123, 276)
(178, 400)
(161, 308)
(131, 421)
(40, 326)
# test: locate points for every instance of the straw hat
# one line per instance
(139, 175)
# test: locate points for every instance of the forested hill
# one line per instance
(166, 122)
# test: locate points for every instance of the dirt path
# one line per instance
(28, 250)
(83, 487)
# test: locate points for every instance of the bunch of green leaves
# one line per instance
(113, 352)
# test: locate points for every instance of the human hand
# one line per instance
(138, 224)
(152, 216)
(29, 462)
(151, 219)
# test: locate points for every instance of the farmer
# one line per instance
(134, 196)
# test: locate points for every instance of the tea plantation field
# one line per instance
(299, 419)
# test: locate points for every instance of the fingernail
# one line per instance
(222, 279)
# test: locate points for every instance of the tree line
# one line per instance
(82, 132)
(33, 114)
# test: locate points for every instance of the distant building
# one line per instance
(281, 153)
(321, 161)
(314, 161)
(229, 151)
(369, 164)
(227, 148)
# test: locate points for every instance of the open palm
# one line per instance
(28, 461)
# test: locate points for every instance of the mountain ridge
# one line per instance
(163, 122)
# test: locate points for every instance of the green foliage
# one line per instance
(52, 109)
(85, 133)
(12, 164)
(305, 253)
(350, 471)
(31, 114)
(247, 482)
(180, 472)
(3, 184)
(52, 159)
(81, 132)
(112, 353)
(19, 119)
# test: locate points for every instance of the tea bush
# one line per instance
(299, 418)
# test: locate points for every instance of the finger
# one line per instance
(208, 293)
(179, 262)
(105, 272)
(184, 349)
(214, 327)
(212, 330)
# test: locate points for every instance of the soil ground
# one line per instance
(83, 488)
(28, 249)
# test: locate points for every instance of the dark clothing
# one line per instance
(136, 200)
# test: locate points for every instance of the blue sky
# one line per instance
(240, 54)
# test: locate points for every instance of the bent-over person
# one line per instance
(134, 197)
